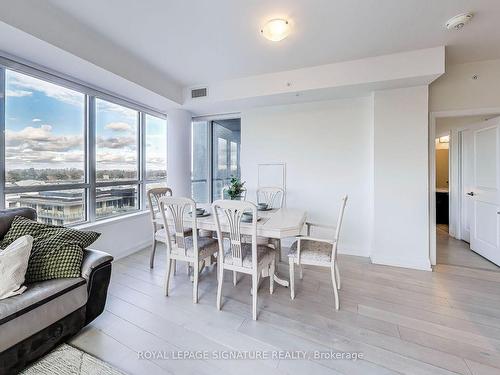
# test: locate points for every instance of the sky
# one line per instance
(45, 129)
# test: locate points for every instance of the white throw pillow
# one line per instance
(13, 265)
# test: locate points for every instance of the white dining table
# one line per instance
(275, 224)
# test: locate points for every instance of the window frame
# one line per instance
(90, 183)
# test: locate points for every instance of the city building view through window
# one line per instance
(47, 158)
(215, 157)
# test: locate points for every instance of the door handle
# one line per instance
(471, 194)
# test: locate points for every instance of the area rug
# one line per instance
(67, 360)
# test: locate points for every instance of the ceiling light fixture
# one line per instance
(276, 29)
(458, 21)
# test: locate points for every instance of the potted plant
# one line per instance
(236, 188)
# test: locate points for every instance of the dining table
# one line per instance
(275, 224)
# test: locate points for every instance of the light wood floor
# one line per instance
(458, 253)
(403, 321)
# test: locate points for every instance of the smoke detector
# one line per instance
(459, 21)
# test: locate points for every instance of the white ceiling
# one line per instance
(203, 41)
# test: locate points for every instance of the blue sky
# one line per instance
(45, 127)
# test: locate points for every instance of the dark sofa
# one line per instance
(49, 312)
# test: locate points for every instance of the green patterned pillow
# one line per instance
(57, 251)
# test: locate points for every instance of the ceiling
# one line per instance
(199, 41)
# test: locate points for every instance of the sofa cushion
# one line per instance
(41, 305)
(13, 266)
(57, 251)
(6, 217)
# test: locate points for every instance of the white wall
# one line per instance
(457, 90)
(400, 190)
(122, 236)
(326, 148)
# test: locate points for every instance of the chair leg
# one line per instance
(335, 290)
(301, 272)
(235, 278)
(219, 285)
(196, 274)
(292, 278)
(255, 286)
(272, 269)
(337, 275)
(152, 256)
(167, 276)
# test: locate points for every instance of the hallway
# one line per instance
(458, 253)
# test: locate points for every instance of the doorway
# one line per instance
(467, 188)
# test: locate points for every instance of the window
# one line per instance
(72, 153)
(155, 148)
(215, 157)
(44, 132)
(116, 142)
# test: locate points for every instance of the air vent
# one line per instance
(199, 93)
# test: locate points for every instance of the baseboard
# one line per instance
(424, 265)
(132, 250)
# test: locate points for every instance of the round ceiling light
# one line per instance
(459, 21)
(276, 30)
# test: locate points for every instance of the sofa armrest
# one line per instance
(92, 259)
(96, 269)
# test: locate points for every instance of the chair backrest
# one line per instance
(225, 196)
(154, 195)
(176, 209)
(272, 196)
(230, 213)
(339, 225)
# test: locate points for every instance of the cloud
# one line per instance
(40, 138)
(25, 85)
(18, 93)
(117, 142)
(119, 127)
(36, 120)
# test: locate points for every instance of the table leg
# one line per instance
(279, 280)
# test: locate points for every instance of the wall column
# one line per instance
(179, 152)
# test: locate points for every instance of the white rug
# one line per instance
(67, 360)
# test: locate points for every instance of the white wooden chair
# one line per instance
(154, 209)
(317, 252)
(237, 256)
(272, 196)
(191, 249)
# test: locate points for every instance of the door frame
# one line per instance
(454, 177)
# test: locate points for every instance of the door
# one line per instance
(485, 192)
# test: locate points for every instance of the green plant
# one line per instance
(235, 188)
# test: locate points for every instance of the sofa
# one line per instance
(49, 312)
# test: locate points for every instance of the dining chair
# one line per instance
(307, 250)
(190, 249)
(236, 255)
(154, 195)
(272, 196)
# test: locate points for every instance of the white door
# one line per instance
(485, 191)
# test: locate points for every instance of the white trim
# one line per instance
(433, 116)
(111, 220)
(423, 264)
(222, 116)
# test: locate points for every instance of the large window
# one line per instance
(73, 154)
(215, 158)
(44, 132)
